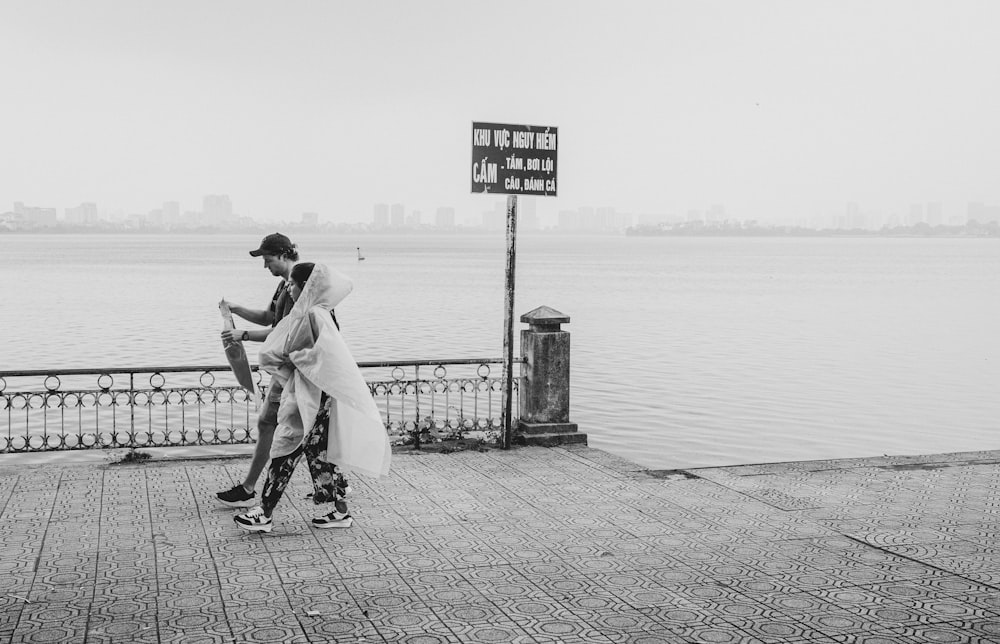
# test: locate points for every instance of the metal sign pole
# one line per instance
(508, 322)
(512, 160)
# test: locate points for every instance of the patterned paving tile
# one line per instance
(778, 629)
(67, 631)
(505, 547)
(943, 633)
(477, 622)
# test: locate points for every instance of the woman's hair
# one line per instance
(301, 272)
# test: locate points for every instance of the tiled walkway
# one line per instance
(531, 545)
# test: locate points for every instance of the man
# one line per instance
(280, 255)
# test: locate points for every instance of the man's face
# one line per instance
(277, 264)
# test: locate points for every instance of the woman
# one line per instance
(325, 393)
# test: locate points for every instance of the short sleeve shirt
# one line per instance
(281, 303)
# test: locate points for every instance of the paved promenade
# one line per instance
(532, 545)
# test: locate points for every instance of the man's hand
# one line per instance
(232, 335)
(235, 309)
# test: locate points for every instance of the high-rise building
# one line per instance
(413, 219)
(935, 215)
(445, 217)
(588, 218)
(218, 209)
(527, 214)
(604, 219)
(916, 215)
(85, 214)
(380, 215)
(982, 213)
(35, 216)
(716, 213)
(569, 221)
(851, 216)
(855, 219)
(310, 219)
(496, 219)
(171, 213)
(655, 219)
(397, 215)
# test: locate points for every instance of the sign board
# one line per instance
(514, 159)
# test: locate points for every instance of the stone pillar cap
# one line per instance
(545, 316)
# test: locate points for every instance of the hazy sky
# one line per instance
(769, 107)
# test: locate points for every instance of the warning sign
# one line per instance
(514, 159)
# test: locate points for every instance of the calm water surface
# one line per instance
(685, 351)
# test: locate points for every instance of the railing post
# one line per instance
(416, 427)
(544, 386)
(131, 410)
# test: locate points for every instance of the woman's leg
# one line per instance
(278, 476)
(329, 483)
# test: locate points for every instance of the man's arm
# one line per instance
(261, 318)
(252, 335)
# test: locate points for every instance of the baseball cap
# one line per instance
(274, 244)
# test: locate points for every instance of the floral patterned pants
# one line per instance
(328, 482)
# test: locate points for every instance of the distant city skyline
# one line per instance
(779, 111)
(218, 211)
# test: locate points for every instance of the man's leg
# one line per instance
(242, 495)
(266, 425)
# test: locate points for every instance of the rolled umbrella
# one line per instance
(235, 352)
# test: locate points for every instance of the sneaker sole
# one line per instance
(255, 528)
(341, 524)
(249, 503)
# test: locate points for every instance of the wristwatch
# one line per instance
(245, 336)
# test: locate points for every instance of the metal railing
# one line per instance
(421, 401)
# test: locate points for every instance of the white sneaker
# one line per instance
(333, 520)
(254, 520)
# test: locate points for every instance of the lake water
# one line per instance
(685, 351)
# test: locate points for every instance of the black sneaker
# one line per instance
(237, 497)
(333, 520)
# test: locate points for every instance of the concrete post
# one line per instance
(544, 385)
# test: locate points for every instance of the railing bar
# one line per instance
(166, 420)
(388, 414)
(433, 406)
(149, 418)
(198, 394)
(247, 421)
(131, 409)
(184, 424)
(45, 421)
(226, 368)
(114, 420)
(416, 406)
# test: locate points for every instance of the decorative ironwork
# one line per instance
(421, 401)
